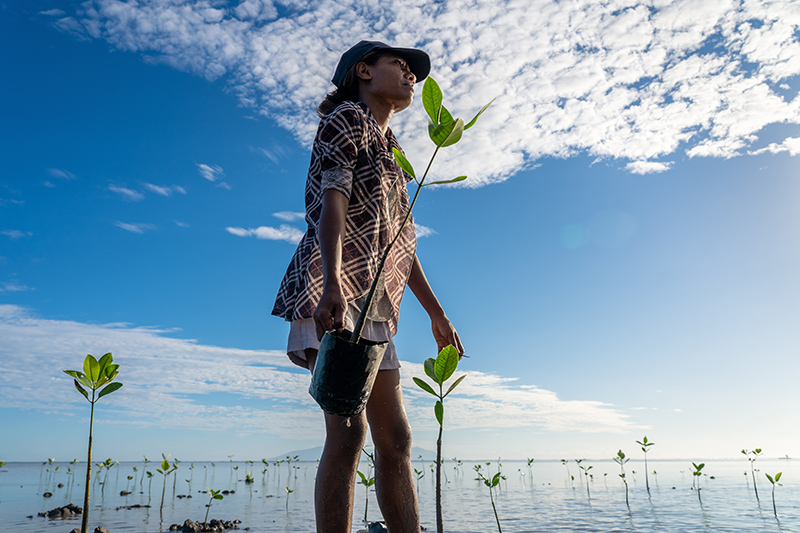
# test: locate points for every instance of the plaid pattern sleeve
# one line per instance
(352, 156)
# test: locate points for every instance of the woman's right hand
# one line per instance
(330, 311)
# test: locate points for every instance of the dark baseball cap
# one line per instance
(418, 61)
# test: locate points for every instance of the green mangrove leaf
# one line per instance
(446, 363)
(86, 382)
(475, 118)
(454, 385)
(109, 389)
(496, 479)
(455, 135)
(424, 386)
(769, 478)
(80, 389)
(362, 476)
(432, 98)
(111, 371)
(91, 368)
(778, 476)
(460, 178)
(438, 409)
(440, 133)
(445, 117)
(104, 362)
(403, 162)
(73, 373)
(430, 365)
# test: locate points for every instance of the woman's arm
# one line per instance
(443, 331)
(332, 306)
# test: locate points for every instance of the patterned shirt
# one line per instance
(351, 155)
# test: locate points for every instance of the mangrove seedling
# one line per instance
(620, 459)
(696, 473)
(97, 376)
(754, 453)
(440, 370)
(585, 470)
(288, 491)
(367, 482)
(248, 479)
(569, 476)
(165, 470)
(491, 483)
(419, 474)
(149, 485)
(443, 130)
(214, 495)
(645, 444)
(774, 482)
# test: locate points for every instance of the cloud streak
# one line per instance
(126, 193)
(134, 227)
(178, 383)
(627, 80)
(283, 233)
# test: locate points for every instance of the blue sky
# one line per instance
(621, 262)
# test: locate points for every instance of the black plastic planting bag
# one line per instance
(345, 372)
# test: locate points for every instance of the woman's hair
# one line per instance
(349, 87)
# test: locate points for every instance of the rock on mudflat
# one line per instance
(62, 512)
(200, 527)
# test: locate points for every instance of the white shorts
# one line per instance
(303, 335)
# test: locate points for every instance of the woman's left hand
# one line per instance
(445, 334)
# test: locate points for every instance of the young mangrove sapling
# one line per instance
(440, 370)
(97, 376)
(214, 495)
(774, 482)
(696, 473)
(755, 453)
(443, 130)
(491, 483)
(620, 459)
(645, 444)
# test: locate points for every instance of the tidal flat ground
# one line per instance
(548, 496)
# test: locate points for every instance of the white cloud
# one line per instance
(13, 286)
(181, 224)
(283, 233)
(166, 379)
(134, 228)
(15, 233)
(289, 216)
(178, 189)
(627, 79)
(163, 191)
(791, 145)
(128, 194)
(61, 174)
(210, 172)
(647, 167)
(423, 231)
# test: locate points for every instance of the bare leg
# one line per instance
(391, 434)
(336, 475)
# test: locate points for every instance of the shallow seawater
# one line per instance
(542, 499)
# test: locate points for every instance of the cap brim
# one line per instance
(418, 61)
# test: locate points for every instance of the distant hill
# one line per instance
(312, 454)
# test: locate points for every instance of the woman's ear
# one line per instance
(363, 71)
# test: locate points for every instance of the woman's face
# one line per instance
(389, 80)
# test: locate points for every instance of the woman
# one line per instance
(356, 199)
